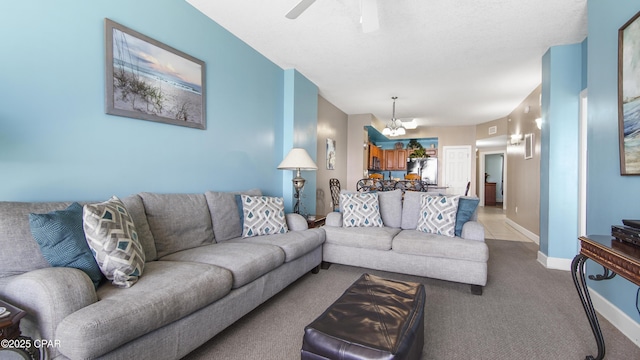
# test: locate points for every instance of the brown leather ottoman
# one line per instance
(375, 318)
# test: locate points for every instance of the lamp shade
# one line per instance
(298, 158)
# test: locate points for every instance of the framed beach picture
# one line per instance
(331, 154)
(629, 96)
(528, 146)
(148, 80)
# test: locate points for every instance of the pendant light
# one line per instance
(394, 126)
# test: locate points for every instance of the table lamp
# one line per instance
(297, 159)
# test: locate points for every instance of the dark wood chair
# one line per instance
(334, 188)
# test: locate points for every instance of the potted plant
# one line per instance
(418, 150)
(419, 153)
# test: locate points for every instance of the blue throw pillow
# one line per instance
(466, 207)
(61, 239)
(240, 210)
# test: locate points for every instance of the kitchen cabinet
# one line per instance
(376, 156)
(395, 160)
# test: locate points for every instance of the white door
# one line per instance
(456, 168)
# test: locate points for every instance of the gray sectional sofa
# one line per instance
(199, 277)
(399, 247)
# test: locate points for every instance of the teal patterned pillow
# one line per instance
(263, 215)
(360, 210)
(112, 237)
(61, 239)
(438, 214)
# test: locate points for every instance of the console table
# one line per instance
(616, 257)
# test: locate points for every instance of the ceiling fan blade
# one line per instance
(369, 17)
(299, 9)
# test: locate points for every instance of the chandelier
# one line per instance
(394, 126)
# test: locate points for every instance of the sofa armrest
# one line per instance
(49, 295)
(472, 230)
(333, 219)
(296, 222)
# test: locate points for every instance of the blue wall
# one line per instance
(561, 86)
(56, 142)
(300, 122)
(610, 197)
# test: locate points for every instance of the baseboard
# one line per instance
(535, 238)
(615, 316)
(554, 263)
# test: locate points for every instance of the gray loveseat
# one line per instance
(399, 247)
(199, 277)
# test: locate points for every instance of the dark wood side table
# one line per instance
(616, 257)
(317, 222)
(10, 336)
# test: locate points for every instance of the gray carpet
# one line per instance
(526, 312)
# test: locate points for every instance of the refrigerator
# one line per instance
(427, 168)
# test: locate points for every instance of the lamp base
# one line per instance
(298, 184)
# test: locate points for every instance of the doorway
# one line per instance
(493, 165)
(456, 168)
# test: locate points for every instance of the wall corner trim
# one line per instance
(554, 263)
(535, 238)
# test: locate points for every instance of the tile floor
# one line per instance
(495, 227)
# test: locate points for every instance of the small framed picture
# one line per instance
(528, 146)
(331, 154)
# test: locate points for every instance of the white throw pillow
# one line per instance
(263, 215)
(438, 214)
(360, 210)
(113, 239)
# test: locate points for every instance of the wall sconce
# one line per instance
(539, 123)
(516, 138)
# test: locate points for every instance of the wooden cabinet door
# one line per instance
(401, 159)
(390, 160)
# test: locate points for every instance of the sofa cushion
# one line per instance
(415, 242)
(224, 213)
(391, 207)
(178, 221)
(438, 214)
(466, 208)
(61, 239)
(20, 253)
(360, 210)
(411, 210)
(134, 205)
(378, 238)
(168, 291)
(246, 261)
(263, 215)
(111, 235)
(294, 243)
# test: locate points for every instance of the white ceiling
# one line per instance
(450, 62)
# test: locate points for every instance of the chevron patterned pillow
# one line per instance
(438, 214)
(263, 215)
(360, 210)
(112, 237)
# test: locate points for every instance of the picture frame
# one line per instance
(331, 154)
(528, 146)
(629, 96)
(148, 80)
